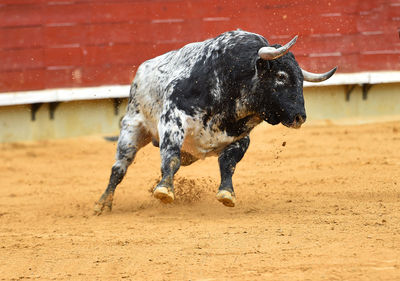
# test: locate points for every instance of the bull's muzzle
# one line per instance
(299, 119)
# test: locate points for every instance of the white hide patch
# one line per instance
(201, 142)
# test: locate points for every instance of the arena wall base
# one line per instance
(70, 119)
(334, 103)
(357, 102)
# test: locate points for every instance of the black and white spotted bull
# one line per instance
(203, 100)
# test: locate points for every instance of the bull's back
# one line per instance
(157, 77)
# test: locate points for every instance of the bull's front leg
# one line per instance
(227, 160)
(171, 139)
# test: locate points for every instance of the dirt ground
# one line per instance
(319, 203)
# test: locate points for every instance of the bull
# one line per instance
(203, 100)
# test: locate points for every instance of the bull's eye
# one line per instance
(281, 77)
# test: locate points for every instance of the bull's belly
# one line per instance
(205, 143)
(199, 141)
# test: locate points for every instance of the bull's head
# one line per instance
(280, 85)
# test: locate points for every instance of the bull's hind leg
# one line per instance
(227, 160)
(132, 137)
(171, 139)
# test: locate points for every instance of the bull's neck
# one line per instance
(244, 105)
(243, 121)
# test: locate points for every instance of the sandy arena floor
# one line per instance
(326, 206)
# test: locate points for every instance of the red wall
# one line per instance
(73, 43)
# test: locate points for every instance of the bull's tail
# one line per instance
(111, 138)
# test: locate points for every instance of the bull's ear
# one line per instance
(262, 66)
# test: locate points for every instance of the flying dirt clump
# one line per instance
(191, 190)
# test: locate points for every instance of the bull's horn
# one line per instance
(271, 53)
(316, 77)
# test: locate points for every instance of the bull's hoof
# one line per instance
(103, 205)
(227, 198)
(164, 194)
(99, 208)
